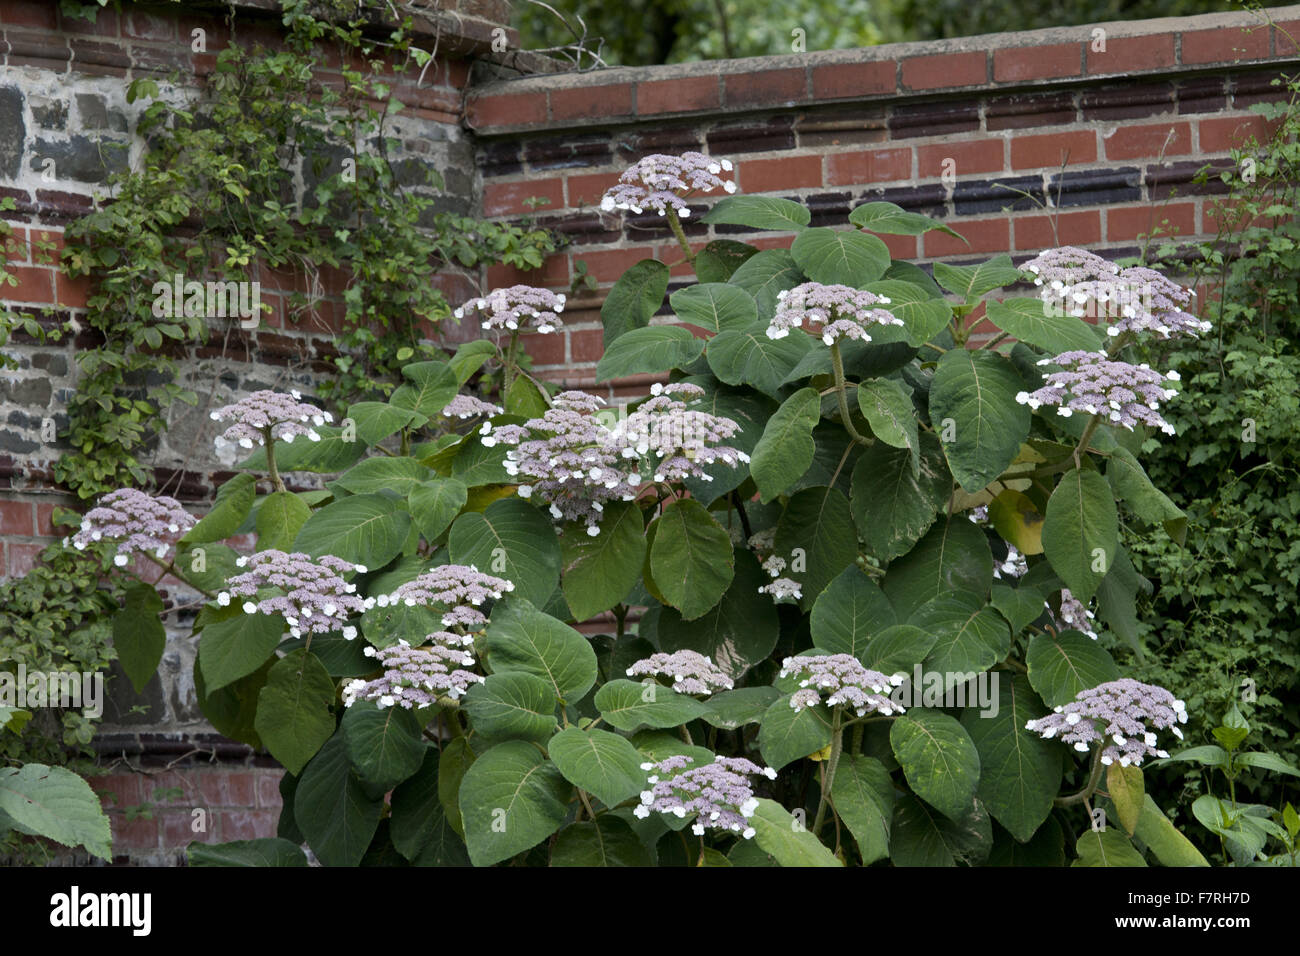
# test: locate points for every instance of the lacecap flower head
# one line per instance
(673, 441)
(662, 182)
(458, 589)
(285, 415)
(516, 307)
(833, 311)
(136, 521)
(719, 792)
(309, 593)
(1092, 382)
(692, 672)
(415, 676)
(1117, 712)
(844, 681)
(467, 406)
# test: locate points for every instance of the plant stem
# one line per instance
(170, 568)
(675, 225)
(837, 366)
(1088, 432)
(837, 744)
(511, 365)
(1094, 779)
(271, 468)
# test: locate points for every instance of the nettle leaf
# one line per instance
(1029, 321)
(1109, 847)
(969, 636)
(897, 649)
(235, 644)
(780, 834)
(431, 386)
(888, 409)
(435, 504)
(512, 704)
(629, 706)
(138, 634)
(375, 421)
(293, 709)
(849, 613)
(759, 212)
(715, 306)
(922, 837)
(635, 297)
(691, 558)
(764, 275)
(654, 349)
(363, 529)
(268, 851)
(786, 449)
(520, 638)
(837, 257)
(971, 282)
(733, 709)
(331, 805)
(974, 411)
(887, 218)
(1081, 531)
(402, 475)
(54, 803)
(1129, 481)
(604, 764)
(1021, 771)
(1061, 666)
(817, 523)
(599, 571)
(605, 841)
(719, 260)
(233, 503)
(749, 357)
(511, 539)
(953, 556)
(938, 759)
(893, 504)
(279, 519)
(739, 632)
(863, 796)
(384, 746)
(785, 735)
(512, 799)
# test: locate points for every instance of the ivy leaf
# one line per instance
(513, 539)
(138, 634)
(363, 529)
(512, 798)
(600, 571)
(835, 257)
(520, 638)
(1081, 531)
(512, 705)
(759, 212)
(54, 803)
(635, 297)
(604, 764)
(384, 745)
(786, 449)
(939, 760)
(293, 709)
(974, 411)
(849, 612)
(715, 306)
(691, 558)
(1061, 666)
(654, 349)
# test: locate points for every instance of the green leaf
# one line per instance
(453, 763)
(654, 349)
(329, 455)
(892, 504)
(375, 421)
(384, 745)
(1107, 847)
(1016, 518)
(938, 759)
(600, 571)
(1060, 667)
(778, 832)
(691, 558)
(512, 539)
(332, 807)
(897, 649)
(233, 708)
(432, 386)
(1210, 755)
(863, 796)
(520, 638)
(849, 613)
(417, 813)
(604, 764)
(138, 634)
(1130, 484)
(635, 297)
(512, 798)
(973, 409)
(364, 529)
(512, 704)
(1266, 761)
(279, 519)
(715, 306)
(887, 218)
(759, 212)
(749, 357)
(746, 408)
(402, 475)
(235, 644)
(1126, 789)
(817, 522)
(734, 709)
(1021, 606)
(785, 451)
(719, 260)
(434, 504)
(1161, 837)
(478, 464)
(888, 409)
(971, 282)
(924, 314)
(969, 636)
(526, 398)
(233, 503)
(629, 706)
(469, 358)
(605, 841)
(765, 275)
(1081, 531)
(54, 803)
(922, 837)
(293, 709)
(1021, 772)
(785, 735)
(835, 257)
(1029, 321)
(953, 556)
(268, 851)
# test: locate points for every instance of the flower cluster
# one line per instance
(458, 589)
(312, 596)
(1117, 712)
(720, 792)
(845, 681)
(286, 416)
(1092, 382)
(1075, 615)
(839, 311)
(1014, 565)
(782, 590)
(138, 522)
(679, 441)
(416, 676)
(692, 672)
(661, 182)
(508, 308)
(467, 406)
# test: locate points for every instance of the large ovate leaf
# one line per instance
(513, 540)
(759, 212)
(384, 744)
(733, 709)
(429, 387)
(898, 649)
(599, 571)
(786, 734)
(654, 349)
(1163, 839)
(893, 220)
(364, 529)
(338, 448)
(749, 357)
(233, 502)
(1081, 531)
(715, 306)
(375, 421)
(604, 764)
(520, 638)
(1016, 518)
(1129, 481)
(923, 312)
(1031, 322)
(375, 474)
(235, 644)
(605, 841)
(939, 760)
(512, 798)
(953, 556)
(54, 803)
(513, 704)
(279, 519)
(331, 805)
(974, 411)
(635, 297)
(863, 796)
(849, 613)
(435, 504)
(719, 260)
(1126, 789)
(786, 449)
(894, 504)
(765, 275)
(970, 282)
(816, 533)
(268, 851)
(922, 837)
(138, 634)
(629, 706)
(836, 257)
(417, 813)
(293, 709)
(781, 834)
(1061, 666)
(970, 637)
(1109, 847)
(691, 558)
(889, 411)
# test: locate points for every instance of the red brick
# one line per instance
(35, 284)
(1225, 45)
(139, 834)
(1225, 133)
(72, 292)
(678, 96)
(45, 519)
(117, 790)
(587, 345)
(608, 265)
(984, 235)
(178, 830)
(765, 87)
(226, 788)
(854, 79)
(545, 349)
(1129, 222)
(769, 242)
(143, 26)
(1285, 37)
(104, 25)
(16, 518)
(268, 790)
(507, 199)
(589, 188)
(508, 109)
(592, 102)
(976, 156)
(1131, 54)
(900, 247)
(1036, 62)
(868, 166)
(945, 70)
(1054, 149)
(773, 175)
(30, 13)
(246, 824)
(1072, 228)
(1148, 142)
